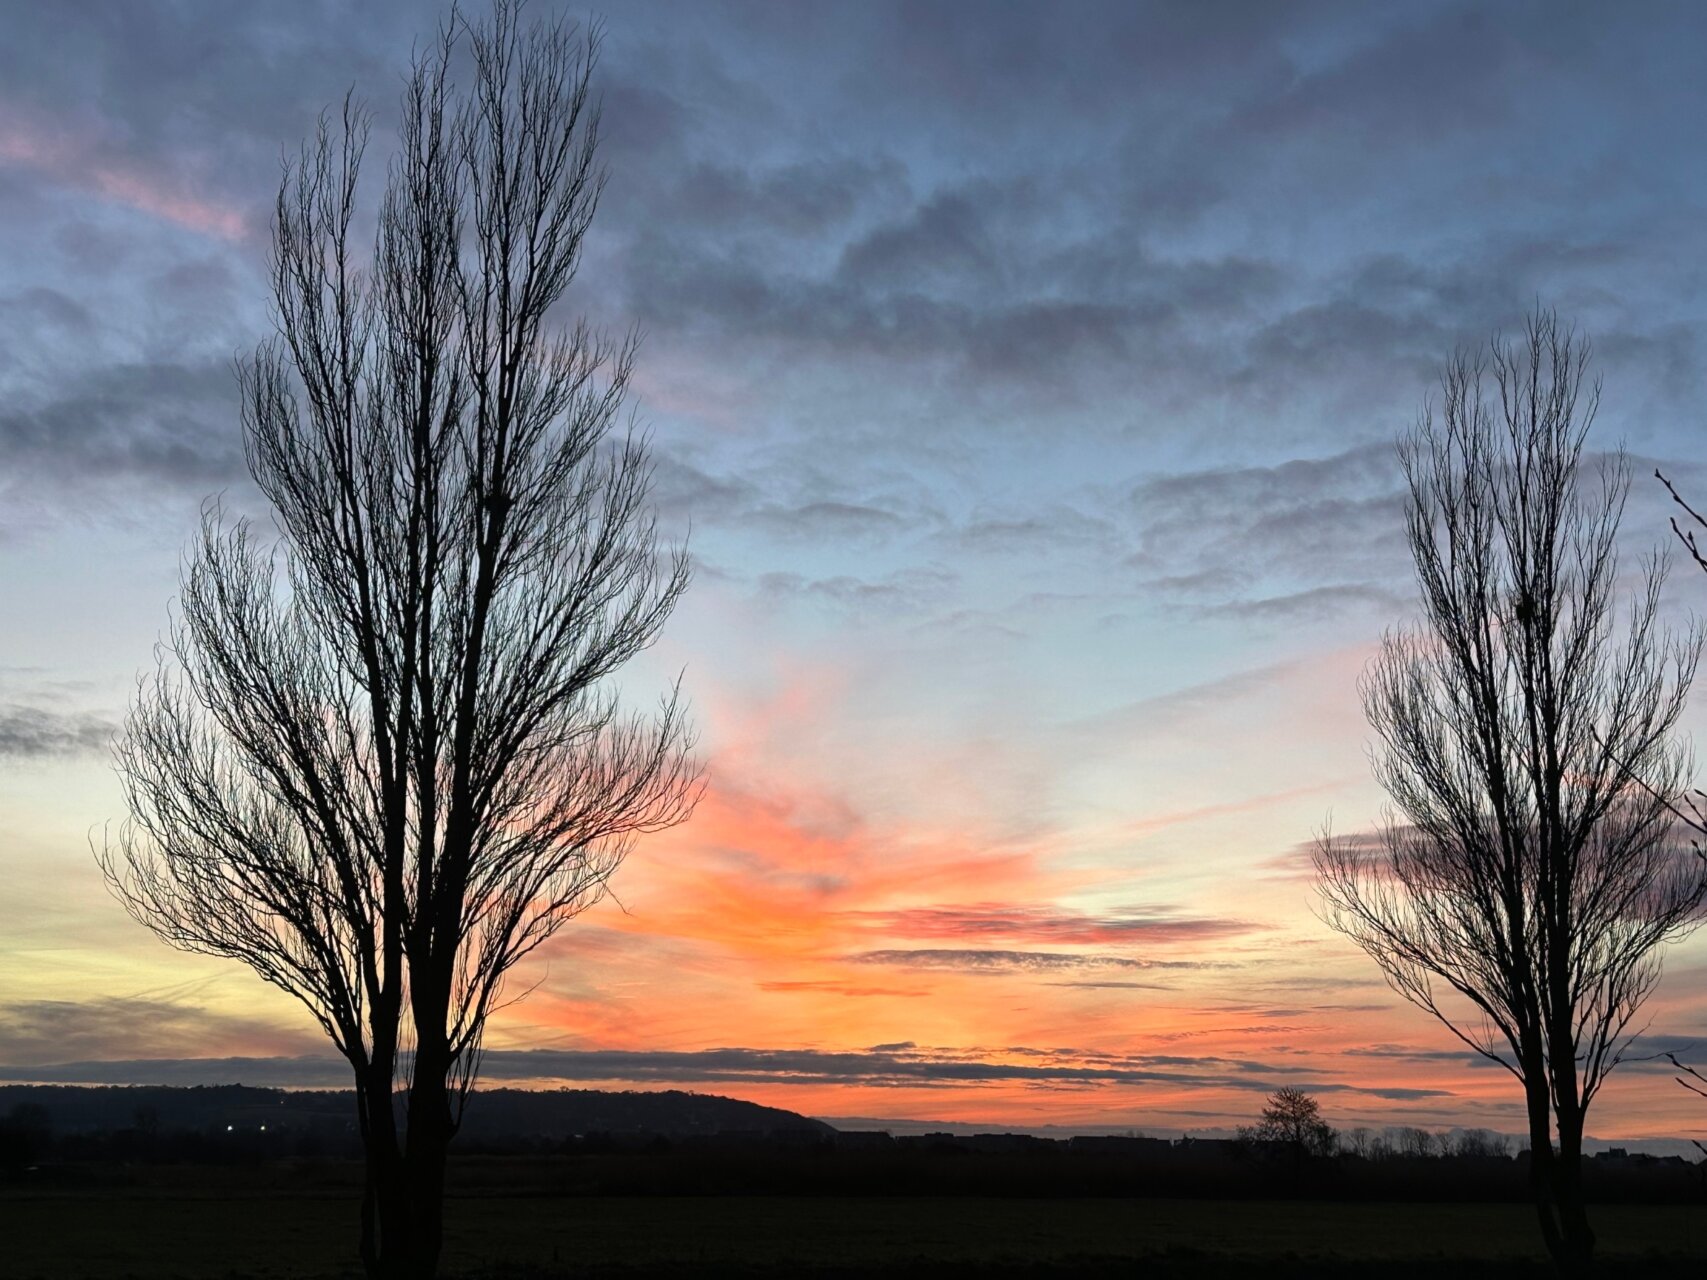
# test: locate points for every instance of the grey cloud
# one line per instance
(955, 313)
(684, 109)
(1155, 714)
(973, 960)
(198, 73)
(1360, 347)
(1646, 1054)
(943, 239)
(1315, 982)
(855, 990)
(1417, 309)
(899, 1067)
(92, 248)
(641, 120)
(905, 590)
(160, 420)
(828, 520)
(1154, 51)
(1316, 604)
(1304, 540)
(1392, 1093)
(790, 504)
(1210, 536)
(980, 273)
(1268, 491)
(1111, 268)
(305, 1072)
(974, 274)
(175, 112)
(33, 732)
(1459, 70)
(38, 306)
(806, 198)
(1215, 582)
(1410, 1053)
(1652, 1052)
(1047, 533)
(1154, 925)
(1386, 321)
(36, 1032)
(1305, 1011)
(689, 494)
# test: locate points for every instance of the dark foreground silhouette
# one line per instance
(199, 1184)
(206, 1230)
(589, 1142)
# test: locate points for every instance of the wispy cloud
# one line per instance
(34, 733)
(35, 1032)
(76, 160)
(1042, 924)
(972, 960)
(887, 1066)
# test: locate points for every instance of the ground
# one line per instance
(167, 1233)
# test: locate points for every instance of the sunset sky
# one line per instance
(1025, 379)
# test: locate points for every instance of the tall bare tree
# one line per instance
(385, 775)
(1529, 870)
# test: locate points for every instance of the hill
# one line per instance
(494, 1116)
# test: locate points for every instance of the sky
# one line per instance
(1024, 379)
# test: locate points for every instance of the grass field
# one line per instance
(155, 1236)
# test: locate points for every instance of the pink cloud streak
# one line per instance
(74, 161)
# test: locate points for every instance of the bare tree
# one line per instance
(1291, 1124)
(1691, 807)
(1414, 1142)
(1529, 872)
(385, 775)
(1689, 528)
(1481, 1144)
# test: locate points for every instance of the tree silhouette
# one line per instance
(1529, 873)
(1291, 1124)
(1691, 806)
(1692, 809)
(385, 775)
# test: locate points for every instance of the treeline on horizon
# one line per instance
(587, 1142)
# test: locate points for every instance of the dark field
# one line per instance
(164, 1230)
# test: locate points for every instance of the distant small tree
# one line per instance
(1360, 1142)
(1291, 1125)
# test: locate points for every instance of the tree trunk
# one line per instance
(1555, 1182)
(1568, 1195)
(428, 1142)
(1542, 1163)
(387, 1252)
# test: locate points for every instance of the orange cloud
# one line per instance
(795, 945)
